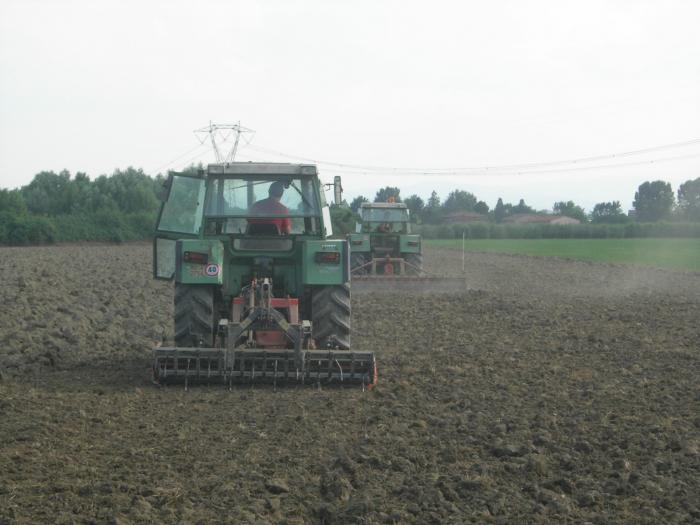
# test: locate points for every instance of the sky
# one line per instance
(419, 95)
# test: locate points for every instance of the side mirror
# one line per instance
(337, 190)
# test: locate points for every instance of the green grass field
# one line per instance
(661, 253)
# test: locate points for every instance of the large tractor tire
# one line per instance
(195, 317)
(330, 315)
(357, 260)
(415, 260)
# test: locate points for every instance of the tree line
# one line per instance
(653, 201)
(57, 207)
(60, 207)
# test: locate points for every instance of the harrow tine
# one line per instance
(274, 380)
(341, 370)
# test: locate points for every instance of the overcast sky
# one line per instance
(97, 85)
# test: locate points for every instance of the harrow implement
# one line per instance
(410, 278)
(398, 274)
(408, 283)
(265, 341)
(256, 366)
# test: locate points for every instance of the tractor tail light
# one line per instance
(328, 257)
(195, 257)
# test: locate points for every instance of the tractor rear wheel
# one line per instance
(415, 260)
(195, 317)
(330, 316)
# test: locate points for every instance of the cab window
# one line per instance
(182, 212)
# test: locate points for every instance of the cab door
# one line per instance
(180, 217)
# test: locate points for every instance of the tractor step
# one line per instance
(252, 366)
(408, 283)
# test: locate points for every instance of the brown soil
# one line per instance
(551, 391)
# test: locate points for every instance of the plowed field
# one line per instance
(551, 391)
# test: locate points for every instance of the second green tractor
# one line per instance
(384, 244)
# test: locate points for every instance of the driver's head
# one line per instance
(276, 190)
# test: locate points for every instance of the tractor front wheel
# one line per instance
(330, 316)
(195, 317)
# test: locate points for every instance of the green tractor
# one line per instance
(261, 292)
(384, 245)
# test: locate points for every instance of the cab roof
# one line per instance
(384, 205)
(261, 168)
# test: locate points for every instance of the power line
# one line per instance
(349, 168)
(157, 170)
(198, 155)
(536, 172)
(496, 170)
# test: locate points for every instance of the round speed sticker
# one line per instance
(212, 270)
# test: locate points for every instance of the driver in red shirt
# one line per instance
(272, 206)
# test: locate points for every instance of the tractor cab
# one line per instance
(231, 199)
(385, 217)
(262, 205)
(249, 210)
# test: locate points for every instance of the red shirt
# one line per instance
(272, 207)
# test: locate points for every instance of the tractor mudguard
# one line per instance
(199, 261)
(359, 242)
(326, 262)
(410, 244)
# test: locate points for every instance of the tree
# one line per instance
(83, 194)
(434, 200)
(11, 202)
(357, 202)
(608, 212)
(689, 199)
(570, 209)
(132, 190)
(48, 193)
(432, 211)
(342, 219)
(653, 201)
(481, 207)
(386, 192)
(415, 206)
(499, 211)
(459, 200)
(522, 207)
